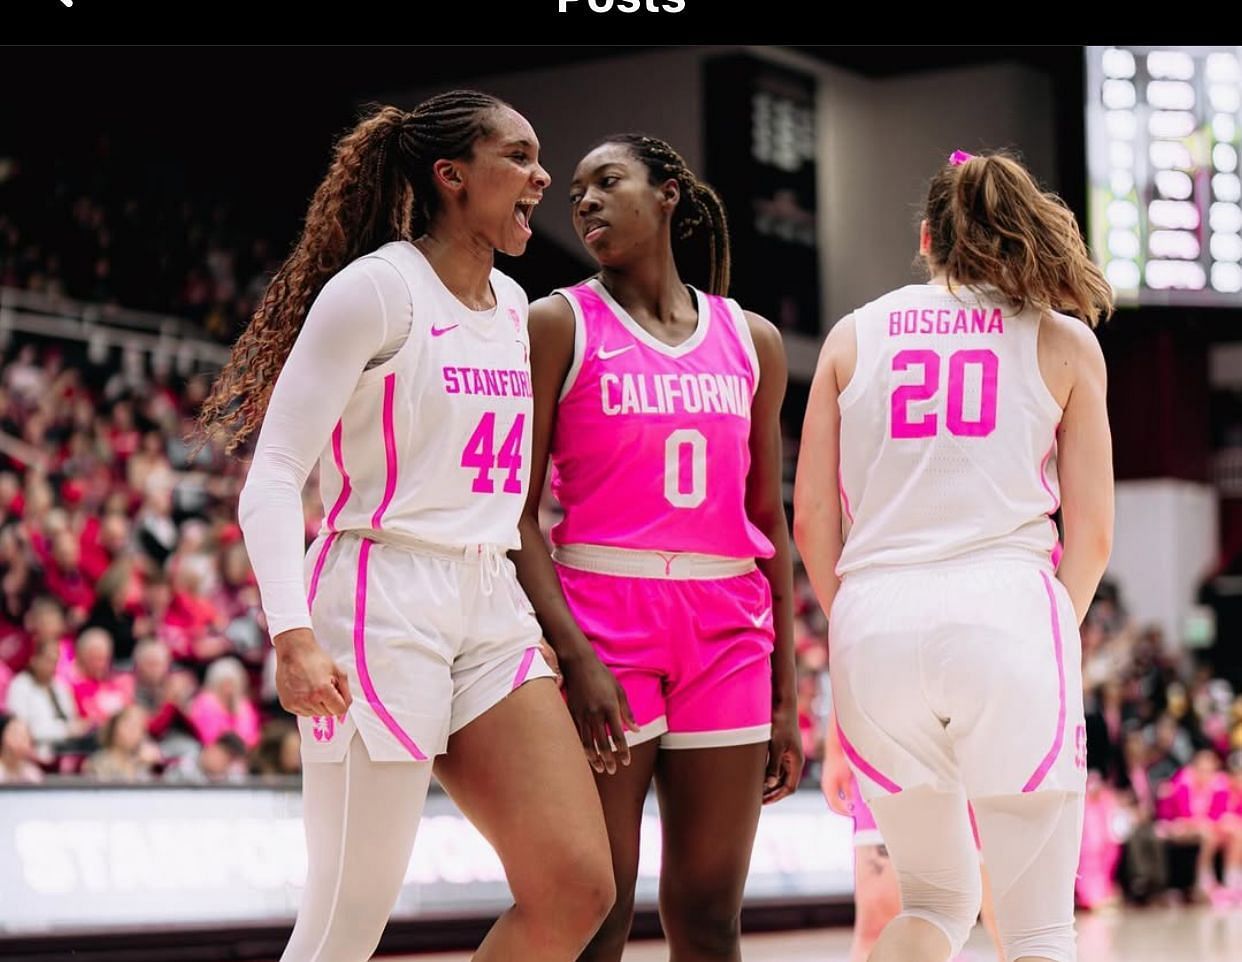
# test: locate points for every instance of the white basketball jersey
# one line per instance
(435, 443)
(948, 432)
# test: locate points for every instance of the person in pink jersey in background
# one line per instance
(668, 597)
(1193, 807)
(947, 422)
(99, 690)
(223, 706)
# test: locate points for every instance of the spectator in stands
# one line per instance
(127, 755)
(114, 609)
(1136, 755)
(122, 434)
(279, 751)
(104, 542)
(65, 578)
(237, 599)
(25, 379)
(1101, 850)
(148, 467)
(1105, 719)
(196, 627)
(44, 702)
(156, 602)
(1192, 807)
(43, 624)
(224, 760)
(99, 690)
(166, 694)
(154, 527)
(17, 759)
(222, 705)
(1171, 749)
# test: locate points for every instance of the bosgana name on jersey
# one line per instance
(946, 320)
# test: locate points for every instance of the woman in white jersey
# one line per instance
(947, 422)
(391, 352)
(670, 601)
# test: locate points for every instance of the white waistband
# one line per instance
(468, 553)
(673, 565)
(991, 557)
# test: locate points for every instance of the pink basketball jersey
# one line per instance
(651, 448)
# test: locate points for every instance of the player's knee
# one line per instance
(615, 929)
(592, 892)
(875, 912)
(706, 920)
(567, 892)
(951, 902)
(591, 896)
(713, 934)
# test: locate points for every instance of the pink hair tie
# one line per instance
(959, 157)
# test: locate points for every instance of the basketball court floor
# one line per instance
(1126, 935)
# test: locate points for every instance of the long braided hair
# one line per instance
(379, 188)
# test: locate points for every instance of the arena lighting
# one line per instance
(1227, 278)
(1170, 65)
(1170, 95)
(1174, 184)
(1171, 124)
(1226, 247)
(1162, 159)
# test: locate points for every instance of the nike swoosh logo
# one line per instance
(437, 331)
(604, 354)
(759, 619)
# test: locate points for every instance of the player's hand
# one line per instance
(308, 681)
(785, 757)
(836, 782)
(601, 713)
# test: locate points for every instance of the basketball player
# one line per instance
(402, 361)
(946, 423)
(670, 601)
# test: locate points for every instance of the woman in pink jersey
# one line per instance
(946, 423)
(1193, 808)
(390, 352)
(670, 600)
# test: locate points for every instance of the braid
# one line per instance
(378, 189)
(699, 219)
(446, 125)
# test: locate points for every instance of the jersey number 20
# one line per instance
(959, 425)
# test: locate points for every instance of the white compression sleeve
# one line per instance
(349, 323)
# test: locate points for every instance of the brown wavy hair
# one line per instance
(700, 227)
(990, 223)
(379, 188)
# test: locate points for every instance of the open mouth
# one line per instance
(523, 211)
